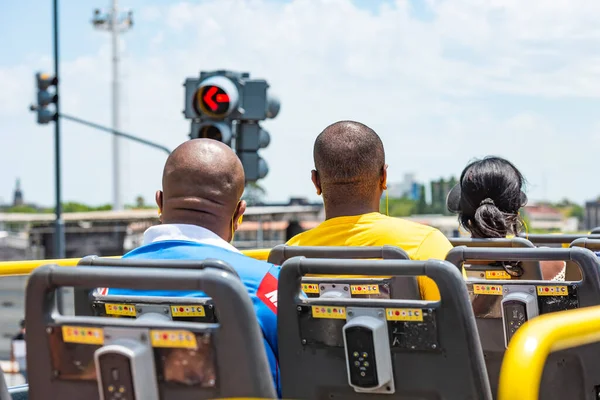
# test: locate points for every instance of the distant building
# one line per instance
(18, 195)
(407, 188)
(592, 214)
(549, 218)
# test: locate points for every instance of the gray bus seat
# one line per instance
(344, 348)
(492, 304)
(405, 287)
(493, 271)
(151, 357)
(87, 303)
(587, 243)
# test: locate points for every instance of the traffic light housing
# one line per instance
(45, 98)
(227, 106)
(251, 138)
(217, 130)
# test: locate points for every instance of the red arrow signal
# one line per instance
(208, 98)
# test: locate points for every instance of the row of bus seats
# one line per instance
(321, 330)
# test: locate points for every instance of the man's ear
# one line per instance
(159, 202)
(239, 214)
(384, 177)
(314, 176)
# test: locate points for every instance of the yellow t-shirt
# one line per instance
(421, 242)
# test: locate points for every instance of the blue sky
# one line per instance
(454, 80)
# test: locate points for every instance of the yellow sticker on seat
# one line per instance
(487, 289)
(187, 311)
(120, 309)
(82, 334)
(497, 275)
(404, 314)
(329, 312)
(552, 291)
(364, 289)
(180, 339)
(310, 288)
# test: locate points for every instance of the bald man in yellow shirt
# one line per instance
(351, 174)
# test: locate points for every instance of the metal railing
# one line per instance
(12, 268)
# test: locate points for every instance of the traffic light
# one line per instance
(227, 106)
(45, 98)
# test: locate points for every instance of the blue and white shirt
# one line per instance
(190, 242)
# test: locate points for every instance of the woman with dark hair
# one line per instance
(487, 200)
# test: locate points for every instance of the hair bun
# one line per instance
(487, 201)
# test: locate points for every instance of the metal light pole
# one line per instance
(116, 24)
(59, 226)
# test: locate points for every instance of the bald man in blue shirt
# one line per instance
(200, 208)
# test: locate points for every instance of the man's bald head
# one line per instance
(203, 181)
(349, 158)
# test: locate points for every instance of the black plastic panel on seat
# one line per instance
(435, 348)
(396, 287)
(567, 370)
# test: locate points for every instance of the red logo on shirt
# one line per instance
(267, 292)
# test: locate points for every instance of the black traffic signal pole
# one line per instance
(116, 133)
(59, 230)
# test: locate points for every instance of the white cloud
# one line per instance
(439, 92)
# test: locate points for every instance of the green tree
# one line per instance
(140, 202)
(254, 194)
(422, 206)
(577, 211)
(22, 209)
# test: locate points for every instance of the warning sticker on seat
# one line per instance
(310, 288)
(187, 311)
(180, 339)
(120, 309)
(497, 275)
(82, 334)
(488, 289)
(404, 314)
(364, 289)
(552, 291)
(329, 312)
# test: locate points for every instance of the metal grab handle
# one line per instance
(239, 329)
(283, 252)
(587, 243)
(448, 279)
(587, 261)
(556, 239)
(144, 263)
(81, 296)
(495, 242)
